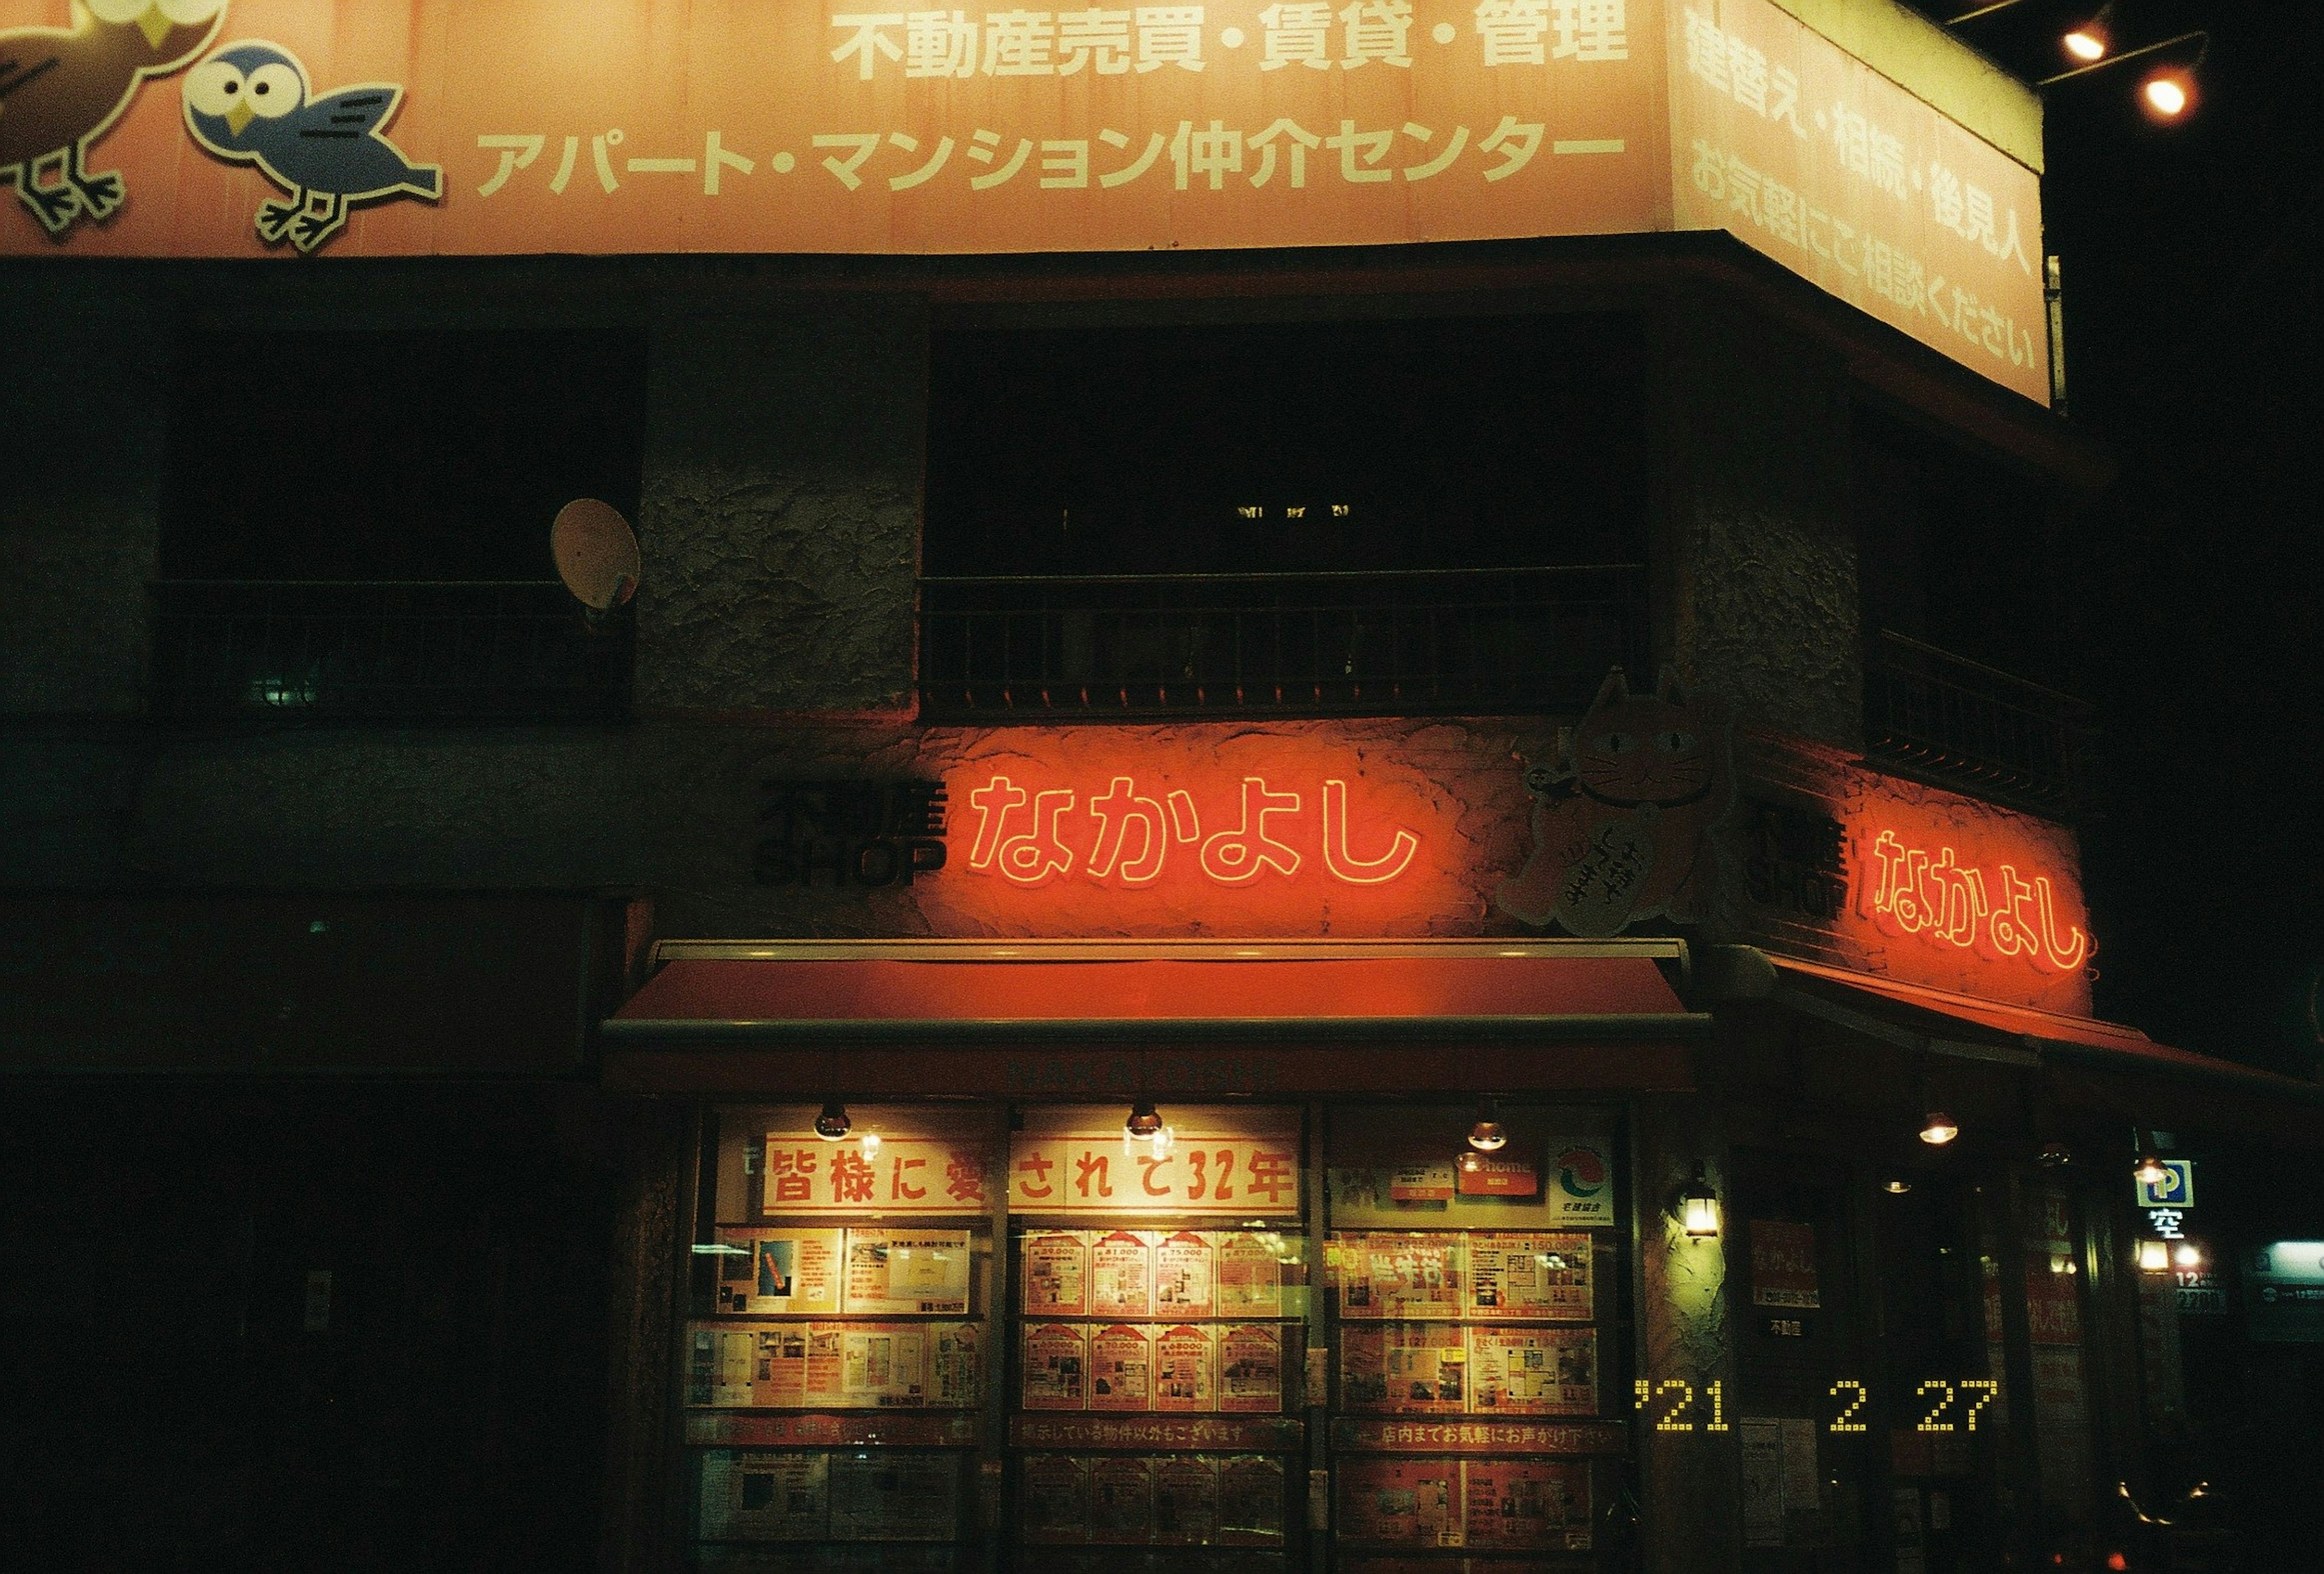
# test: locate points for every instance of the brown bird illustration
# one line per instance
(62, 87)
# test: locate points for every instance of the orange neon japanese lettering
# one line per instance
(1346, 865)
(1236, 857)
(1117, 814)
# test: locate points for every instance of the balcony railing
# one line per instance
(384, 651)
(1961, 724)
(1442, 642)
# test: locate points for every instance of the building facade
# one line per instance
(1281, 882)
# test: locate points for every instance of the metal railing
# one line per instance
(1964, 724)
(1433, 641)
(464, 650)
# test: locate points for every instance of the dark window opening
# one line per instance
(1440, 514)
(1968, 640)
(356, 525)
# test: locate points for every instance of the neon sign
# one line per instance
(1913, 892)
(1125, 837)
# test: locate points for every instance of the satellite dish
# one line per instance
(597, 553)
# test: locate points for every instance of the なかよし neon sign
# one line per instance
(1122, 836)
(1933, 896)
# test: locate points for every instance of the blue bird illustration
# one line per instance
(249, 103)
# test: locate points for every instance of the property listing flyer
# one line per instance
(1053, 1499)
(1249, 1277)
(1183, 1368)
(891, 1496)
(1120, 1368)
(891, 1271)
(1413, 1503)
(1121, 1276)
(1182, 1275)
(1526, 1505)
(1055, 1274)
(1250, 1369)
(1121, 1498)
(1534, 1371)
(1056, 1356)
(764, 1496)
(1185, 1499)
(778, 1271)
(1250, 1500)
(1543, 1278)
(1396, 1276)
(1404, 1370)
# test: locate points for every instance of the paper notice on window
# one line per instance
(1413, 1503)
(1121, 1275)
(1762, 1442)
(1185, 1500)
(1055, 1373)
(1533, 1371)
(748, 1368)
(1183, 1371)
(885, 1365)
(1396, 1276)
(1250, 1277)
(1121, 1499)
(776, 1271)
(1120, 1368)
(826, 1364)
(955, 1364)
(1528, 1504)
(1404, 1370)
(765, 1497)
(889, 1495)
(1055, 1274)
(1542, 1278)
(891, 1271)
(1251, 1500)
(1182, 1275)
(1250, 1369)
(1053, 1499)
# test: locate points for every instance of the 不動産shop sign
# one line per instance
(1231, 1163)
(412, 127)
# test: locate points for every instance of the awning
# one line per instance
(2105, 1062)
(1063, 1017)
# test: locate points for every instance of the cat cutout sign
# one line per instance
(1621, 814)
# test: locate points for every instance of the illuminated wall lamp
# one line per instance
(2090, 42)
(2154, 1257)
(1699, 1208)
(2167, 94)
(2187, 1255)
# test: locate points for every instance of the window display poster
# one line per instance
(1120, 1368)
(1533, 1371)
(1182, 1369)
(889, 1495)
(956, 1377)
(883, 1366)
(1121, 1498)
(1053, 1499)
(1525, 1505)
(1396, 1276)
(765, 1497)
(765, 1271)
(1539, 1277)
(1121, 1275)
(1057, 1358)
(891, 1271)
(1404, 1370)
(1234, 1163)
(1056, 1274)
(746, 1367)
(1182, 1275)
(1250, 1369)
(1784, 1263)
(1410, 1501)
(1250, 1500)
(1185, 1499)
(1249, 1277)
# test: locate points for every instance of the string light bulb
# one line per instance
(833, 1124)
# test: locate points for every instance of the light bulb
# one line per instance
(833, 1123)
(2168, 94)
(1939, 1129)
(2154, 1257)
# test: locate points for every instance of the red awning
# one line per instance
(1063, 1017)
(2046, 1031)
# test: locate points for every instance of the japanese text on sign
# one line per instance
(1254, 1177)
(903, 1175)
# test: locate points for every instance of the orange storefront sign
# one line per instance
(403, 127)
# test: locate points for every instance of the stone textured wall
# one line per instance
(781, 525)
(1767, 608)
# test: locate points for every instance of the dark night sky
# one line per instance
(2191, 258)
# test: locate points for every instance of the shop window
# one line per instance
(1106, 1353)
(1443, 514)
(356, 525)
